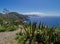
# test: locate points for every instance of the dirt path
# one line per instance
(7, 37)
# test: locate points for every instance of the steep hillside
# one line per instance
(13, 16)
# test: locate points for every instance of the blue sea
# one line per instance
(48, 21)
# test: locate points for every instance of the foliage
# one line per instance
(2, 29)
(41, 34)
(9, 21)
(7, 26)
(12, 28)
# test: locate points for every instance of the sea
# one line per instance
(48, 21)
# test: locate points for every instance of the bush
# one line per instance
(2, 29)
(40, 34)
(8, 28)
(12, 28)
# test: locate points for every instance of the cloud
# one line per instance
(33, 13)
(41, 13)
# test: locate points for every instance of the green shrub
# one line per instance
(2, 29)
(40, 34)
(12, 28)
(8, 28)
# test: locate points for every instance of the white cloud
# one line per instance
(34, 13)
(41, 13)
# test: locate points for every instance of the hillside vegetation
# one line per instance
(10, 21)
(12, 16)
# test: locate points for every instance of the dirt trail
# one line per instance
(7, 37)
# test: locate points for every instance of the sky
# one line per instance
(38, 7)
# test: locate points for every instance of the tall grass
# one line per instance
(41, 34)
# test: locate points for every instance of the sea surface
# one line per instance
(48, 21)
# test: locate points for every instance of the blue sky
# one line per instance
(40, 7)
